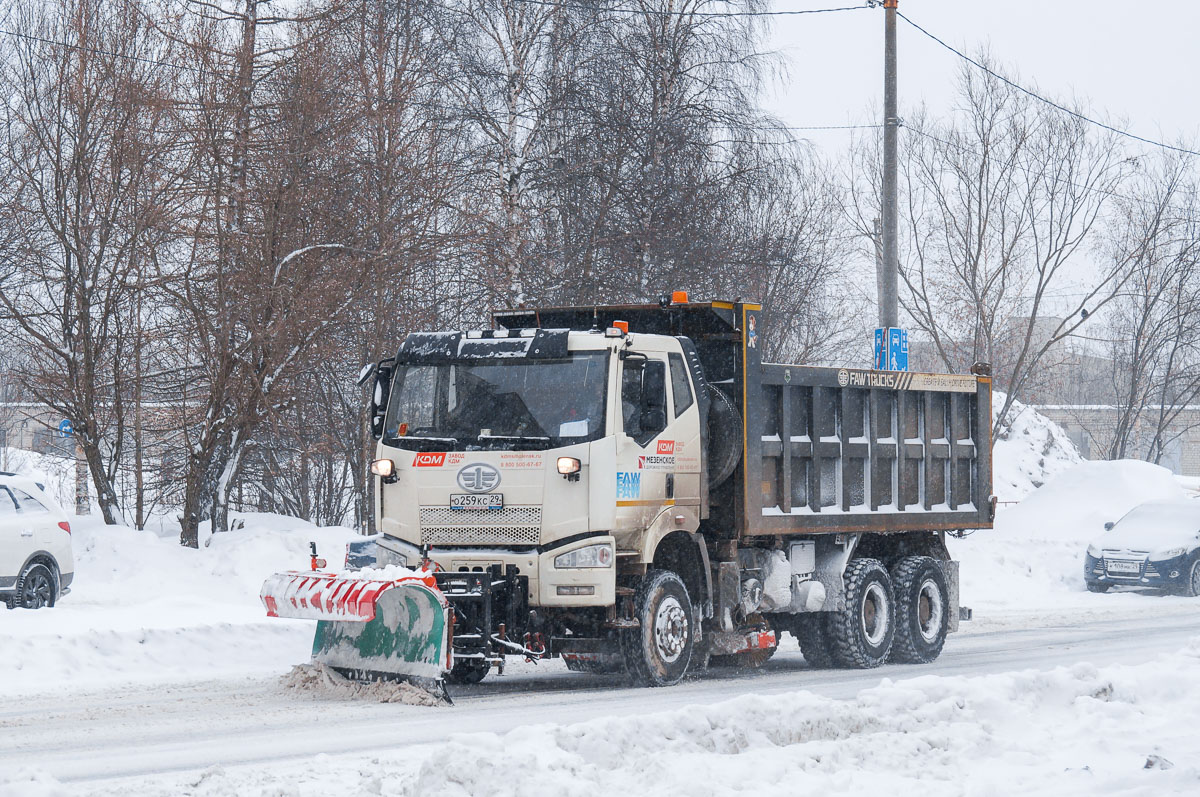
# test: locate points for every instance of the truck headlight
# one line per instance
(591, 556)
(384, 469)
(568, 465)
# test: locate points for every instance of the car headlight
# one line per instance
(1170, 553)
(1095, 552)
(591, 556)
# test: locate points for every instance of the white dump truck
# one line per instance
(631, 488)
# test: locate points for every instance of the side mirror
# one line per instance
(365, 374)
(379, 396)
(654, 397)
(1108, 526)
(654, 387)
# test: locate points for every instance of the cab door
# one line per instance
(645, 472)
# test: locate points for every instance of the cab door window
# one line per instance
(644, 398)
(681, 388)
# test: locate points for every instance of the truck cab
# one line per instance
(554, 452)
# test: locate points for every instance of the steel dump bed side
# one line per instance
(824, 449)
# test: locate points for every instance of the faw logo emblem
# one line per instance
(429, 460)
(666, 447)
(478, 477)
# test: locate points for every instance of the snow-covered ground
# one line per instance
(142, 608)
(144, 611)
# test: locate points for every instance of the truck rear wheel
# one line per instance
(922, 604)
(658, 652)
(861, 632)
(810, 632)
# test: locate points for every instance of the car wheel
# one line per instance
(1093, 586)
(35, 587)
(1191, 587)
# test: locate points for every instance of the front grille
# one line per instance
(512, 525)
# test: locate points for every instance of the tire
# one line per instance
(1191, 588)
(813, 637)
(724, 437)
(35, 587)
(468, 671)
(748, 659)
(659, 651)
(922, 610)
(861, 632)
(1092, 586)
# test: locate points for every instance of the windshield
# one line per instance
(514, 405)
(1156, 524)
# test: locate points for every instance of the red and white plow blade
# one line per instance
(328, 596)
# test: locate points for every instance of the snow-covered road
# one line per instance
(88, 738)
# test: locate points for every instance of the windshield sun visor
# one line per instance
(432, 347)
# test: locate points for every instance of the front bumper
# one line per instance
(548, 586)
(1158, 573)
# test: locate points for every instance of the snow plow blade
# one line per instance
(369, 629)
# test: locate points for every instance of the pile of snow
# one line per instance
(144, 608)
(1070, 731)
(1033, 559)
(317, 680)
(1027, 451)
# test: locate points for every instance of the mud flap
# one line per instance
(369, 629)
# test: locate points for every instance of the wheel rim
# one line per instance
(37, 591)
(670, 629)
(875, 612)
(1196, 577)
(929, 610)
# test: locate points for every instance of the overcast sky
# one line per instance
(1135, 61)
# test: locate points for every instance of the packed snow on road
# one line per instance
(160, 674)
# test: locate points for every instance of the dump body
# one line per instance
(823, 449)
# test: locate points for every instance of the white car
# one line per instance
(36, 561)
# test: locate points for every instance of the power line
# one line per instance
(666, 13)
(1047, 101)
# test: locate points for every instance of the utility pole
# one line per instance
(888, 315)
(891, 342)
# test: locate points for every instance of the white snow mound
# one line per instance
(1027, 451)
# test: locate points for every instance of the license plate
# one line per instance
(1118, 566)
(472, 501)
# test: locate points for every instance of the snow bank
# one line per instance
(144, 608)
(1033, 559)
(1028, 451)
(1069, 731)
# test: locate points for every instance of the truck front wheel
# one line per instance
(658, 652)
(861, 632)
(922, 604)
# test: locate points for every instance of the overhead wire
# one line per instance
(1073, 113)
(665, 12)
